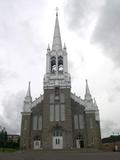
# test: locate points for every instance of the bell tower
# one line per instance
(57, 96)
(56, 62)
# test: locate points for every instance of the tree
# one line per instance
(3, 138)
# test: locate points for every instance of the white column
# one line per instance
(48, 63)
(65, 63)
(56, 64)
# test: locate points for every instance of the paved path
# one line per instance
(53, 155)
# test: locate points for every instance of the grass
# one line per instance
(7, 150)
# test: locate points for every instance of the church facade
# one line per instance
(59, 119)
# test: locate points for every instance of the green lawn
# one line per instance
(7, 150)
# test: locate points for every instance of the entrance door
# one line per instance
(57, 142)
(57, 139)
(37, 144)
(79, 143)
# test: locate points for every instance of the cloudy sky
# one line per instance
(91, 31)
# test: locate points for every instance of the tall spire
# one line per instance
(87, 93)
(28, 91)
(57, 38)
(28, 100)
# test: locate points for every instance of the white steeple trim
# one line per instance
(56, 58)
(28, 100)
(91, 107)
(95, 104)
(87, 93)
(62, 80)
(65, 61)
(97, 116)
(28, 91)
(56, 38)
(47, 63)
(77, 99)
(37, 100)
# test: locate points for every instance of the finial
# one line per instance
(65, 46)
(57, 11)
(48, 49)
(95, 102)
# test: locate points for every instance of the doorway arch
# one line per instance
(57, 138)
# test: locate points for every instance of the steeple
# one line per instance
(28, 100)
(87, 93)
(97, 116)
(56, 62)
(28, 91)
(56, 38)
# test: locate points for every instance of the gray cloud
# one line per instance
(114, 93)
(6, 74)
(12, 105)
(21, 43)
(107, 30)
(19, 31)
(109, 127)
(2, 122)
(79, 12)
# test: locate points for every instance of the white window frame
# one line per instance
(40, 122)
(57, 112)
(76, 126)
(81, 121)
(62, 112)
(35, 122)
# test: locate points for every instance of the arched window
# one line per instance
(57, 132)
(60, 64)
(53, 64)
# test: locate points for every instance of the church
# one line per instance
(59, 119)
